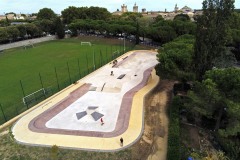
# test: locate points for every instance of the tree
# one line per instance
(33, 30)
(228, 81)
(46, 13)
(54, 152)
(175, 59)
(159, 18)
(97, 13)
(235, 33)
(132, 16)
(217, 95)
(70, 14)
(236, 43)
(182, 17)
(12, 32)
(162, 34)
(3, 35)
(46, 25)
(59, 28)
(4, 22)
(184, 27)
(22, 30)
(205, 100)
(211, 34)
(144, 24)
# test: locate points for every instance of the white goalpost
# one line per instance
(116, 53)
(30, 44)
(34, 96)
(86, 43)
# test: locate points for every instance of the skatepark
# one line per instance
(96, 111)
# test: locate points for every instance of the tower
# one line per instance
(124, 8)
(135, 8)
(176, 8)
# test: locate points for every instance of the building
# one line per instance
(117, 13)
(124, 8)
(144, 10)
(176, 8)
(186, 9)
(166, 15)
(2, 17)
(10, 16)
(135, 8)
(19, 16)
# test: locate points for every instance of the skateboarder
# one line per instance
(121, 141)
(101, 121)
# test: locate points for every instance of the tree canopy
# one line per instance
(95, 13)
(46, 13)
(212, 34)
(59, 28)
(175, 59)
(182, 17)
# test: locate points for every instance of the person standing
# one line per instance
(121, 141)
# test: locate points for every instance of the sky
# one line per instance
(33, 6)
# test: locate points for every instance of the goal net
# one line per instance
(116, 54)
(86, 43)
(29, 45)
(35, 96)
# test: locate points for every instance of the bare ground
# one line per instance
(153, 144)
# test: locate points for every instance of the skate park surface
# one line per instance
(72, 118)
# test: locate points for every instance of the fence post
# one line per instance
(94, 66)
(3, 113)
(111, 53)
(101, 57)
(42, 85)
(79, 71)
(24, 95)
(57, 78)
(69, 74)
(106, 60)
(120, 47)
(87, 62)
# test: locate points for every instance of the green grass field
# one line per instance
(36, 68)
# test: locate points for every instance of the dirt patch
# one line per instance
(153, 144)
(190, 136)
(4, 133)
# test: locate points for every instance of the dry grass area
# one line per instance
(151, 146)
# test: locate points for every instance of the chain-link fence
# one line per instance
(29, 91)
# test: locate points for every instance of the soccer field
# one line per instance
(50, 65)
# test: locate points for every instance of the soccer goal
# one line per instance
(116, 54)
(35, 96)
(86, 43)
(29, 45)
